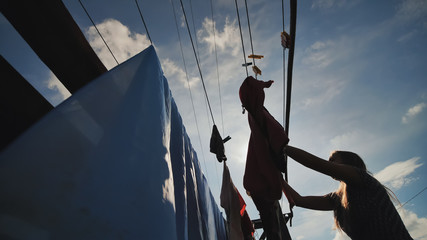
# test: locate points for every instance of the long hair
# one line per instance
(352, 159)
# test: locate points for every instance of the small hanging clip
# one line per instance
(256, 70)
(286, 39)
(255, 56)
(246, 64)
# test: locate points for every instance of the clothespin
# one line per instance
(246, 64)
(256, 70)
(255, 56)
(286, 39)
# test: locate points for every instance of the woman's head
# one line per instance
(348, 158)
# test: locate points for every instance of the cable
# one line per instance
(219, 85)
(241, 37)
(412, 197)
(98, 32)
(194, 29)
(217, 70)
(142, 18)
(189, 87)
(197, 61)
(250, 32)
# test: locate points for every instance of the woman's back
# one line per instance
(370, 213)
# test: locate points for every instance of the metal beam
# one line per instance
(49, 29)
(20, 104)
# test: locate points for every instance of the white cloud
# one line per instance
(323, 54)
(320, 54)
(171, 69)
(226, 41)
(346, 139)
(405, 37)
(123, 43)
(359, 141)
(413, 112)
(410, 10)
(397, 174)
(415, 225)
(341, 236)
(323, 93)
(61, 93)
(321, 221)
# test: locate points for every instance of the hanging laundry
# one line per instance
(217, 144)
(262, 177)
(267, 139)
(239, 224)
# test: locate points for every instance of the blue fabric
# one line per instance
(111, 162)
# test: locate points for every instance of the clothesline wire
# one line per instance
(189, 87)
(416, 195)
(217, 74)
(194, 30)
(201, 77)
(217, 68)
(197, 61)
(250, 32)
(93, 23)
(142, 18)
(241, 37)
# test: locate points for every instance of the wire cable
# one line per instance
(142, 18)
(197, 61)
(217, 68)
(241, 37)
(189, 87)
(93, 23)
(412, 197)
(217, 74)
(250, 32)
(194, 29)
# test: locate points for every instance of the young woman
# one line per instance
(362, 205)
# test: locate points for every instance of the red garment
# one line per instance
(261, 177)
(239, 224)
(247, 226)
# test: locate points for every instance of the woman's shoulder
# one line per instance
(369, 186)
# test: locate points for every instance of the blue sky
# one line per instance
(360, 84)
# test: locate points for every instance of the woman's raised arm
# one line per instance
(343, 172)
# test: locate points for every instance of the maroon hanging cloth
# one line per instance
(262, 176)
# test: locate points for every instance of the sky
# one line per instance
(360, 84)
